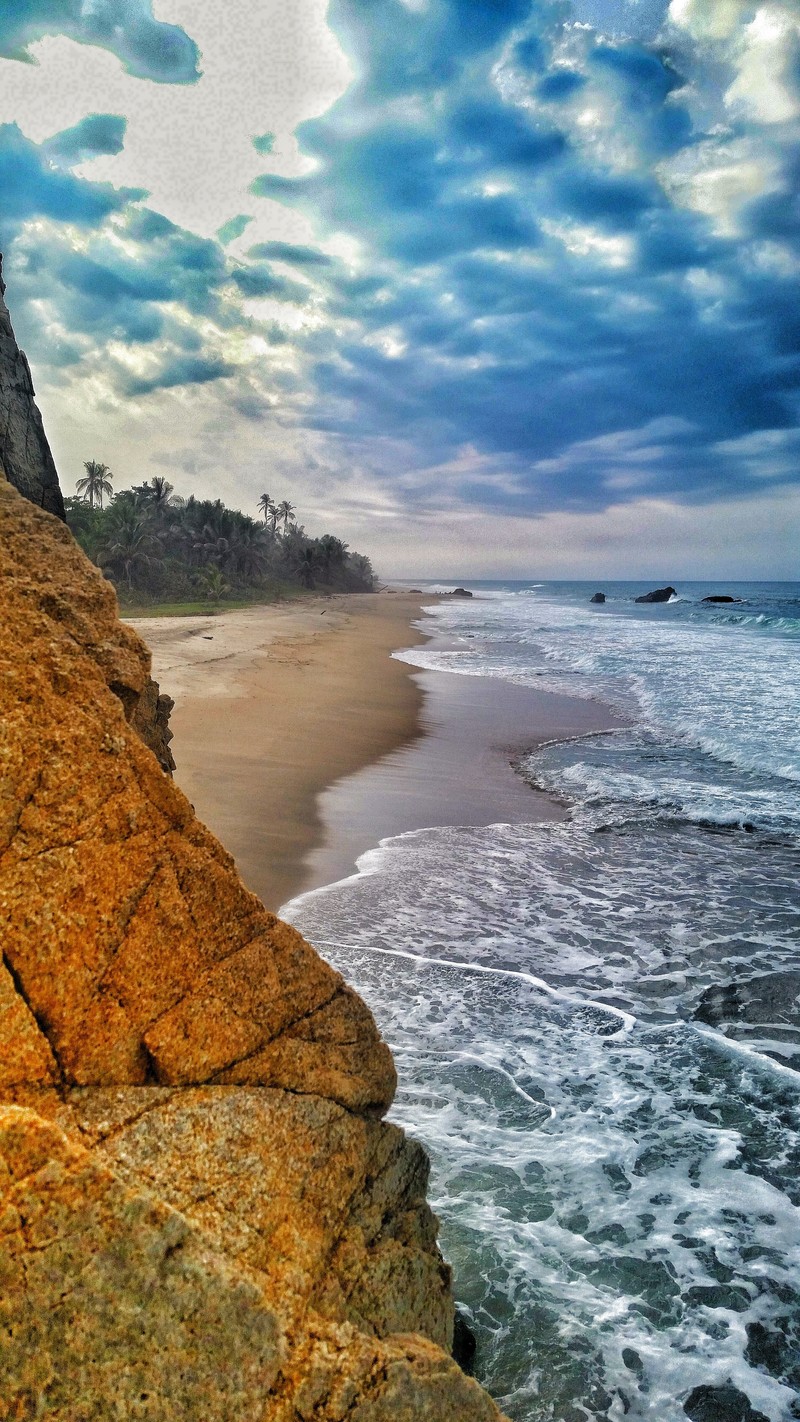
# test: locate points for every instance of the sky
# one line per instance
(487, 287)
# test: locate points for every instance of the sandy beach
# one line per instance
(272, 704)
(301, 742)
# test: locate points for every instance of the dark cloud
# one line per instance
(298, 256)
(604, 198)
(563, 84)
(259, 280)
(147, 47)
(94, 135)
(178, 369)
(233, 228)
(399, 50)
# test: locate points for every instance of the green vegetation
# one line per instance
(171, 554)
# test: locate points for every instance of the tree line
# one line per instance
(159, 547)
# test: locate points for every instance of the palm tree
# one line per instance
(332, 553)
(249, 552)
(161, 494)
(130, 543)
(213, 584)
(212, 544)
(266, 506)
(96, 484)
(285, 511)
(306, 564)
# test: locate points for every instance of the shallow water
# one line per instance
(596, 1022)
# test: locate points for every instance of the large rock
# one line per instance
(201, 1211)
(25, 458)
(27, 463)
(657, 595)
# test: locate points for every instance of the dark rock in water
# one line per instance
(25, 458)
(460, 592)
(720, 1404)
(720, 597)
(761, 999)
(777, 1350)
(464, 1343)
(658, 595)
(598, 597)
(719, 1296)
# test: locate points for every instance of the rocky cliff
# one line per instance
(24, 451)
(202, 1213)
(27, 463)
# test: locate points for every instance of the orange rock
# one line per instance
(201, 1212)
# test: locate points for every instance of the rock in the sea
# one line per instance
(461, 592)
(720, 1404)
(720, 597)
(658, 595)
(201, 1210)
(465, 1344)
(598, 597)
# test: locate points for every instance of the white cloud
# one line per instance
(265, 67)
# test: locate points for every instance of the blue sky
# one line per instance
(491, 286)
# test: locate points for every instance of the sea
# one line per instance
(596, 1022)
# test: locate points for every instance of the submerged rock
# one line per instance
(202, 1211)
(658, 595)
(720, 597)
(598, 597)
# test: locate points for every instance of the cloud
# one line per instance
(148, 48)
(178, 369)
(32, 187)
(538, 272)
(259, 280)
(231, 230)
(298, 256)
(95, 134)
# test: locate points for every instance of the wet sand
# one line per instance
(460, 771)
(301, 742)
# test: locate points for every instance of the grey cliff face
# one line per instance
(25, 456)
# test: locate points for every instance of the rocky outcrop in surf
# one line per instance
(201, 1210)
(657, 595)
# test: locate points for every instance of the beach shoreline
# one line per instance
(273, 703)
(302, 742)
